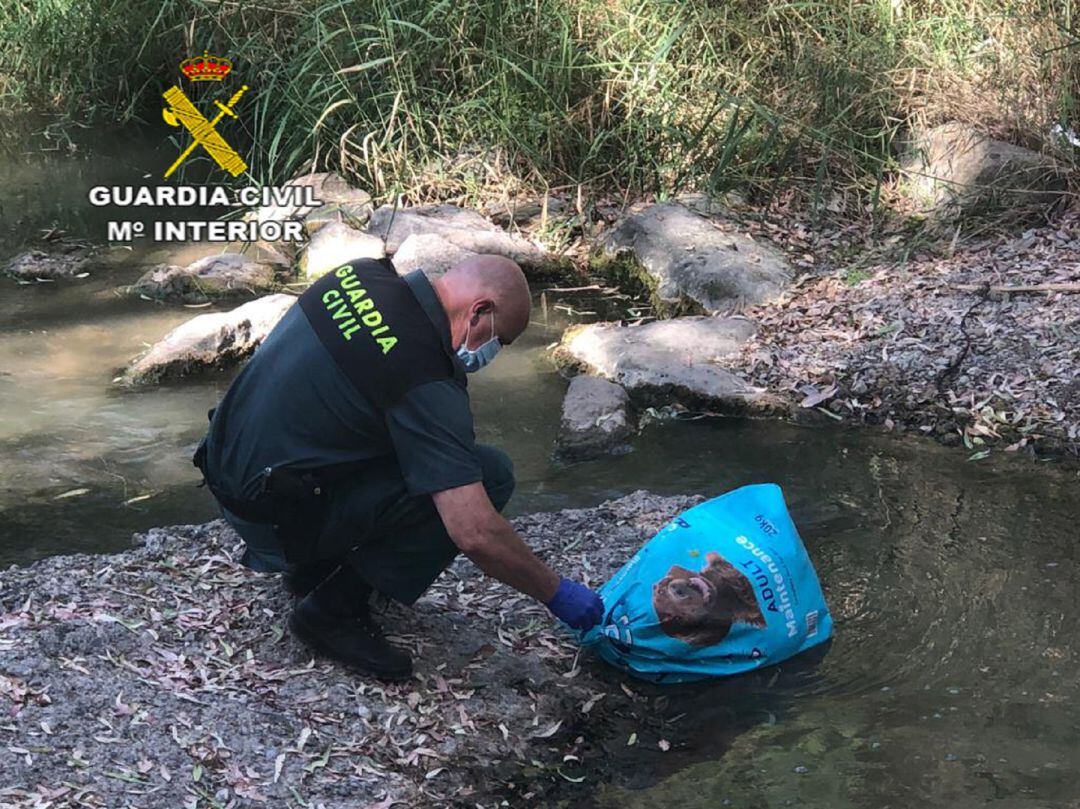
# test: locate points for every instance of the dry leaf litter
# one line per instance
(165, 677)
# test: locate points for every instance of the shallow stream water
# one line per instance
(953, 679)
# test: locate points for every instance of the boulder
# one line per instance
(681, 360)
(459, 226)
(524, 212)
(429, 252)
(711, 204)
(335, 244)
(595, 419)
(213, 340)
(59, 263)
(330, 189)
(954, 170)
(694, 264)
(338, 201)
(214, 276)
(347, 213)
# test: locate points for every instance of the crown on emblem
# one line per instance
(206, 67)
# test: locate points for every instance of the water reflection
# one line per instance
(952, 678)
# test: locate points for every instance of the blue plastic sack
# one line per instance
(724, 588)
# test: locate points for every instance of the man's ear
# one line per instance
(481, 307)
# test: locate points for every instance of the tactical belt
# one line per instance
(279, 484)
(291, 500)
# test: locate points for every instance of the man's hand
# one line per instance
(577, 605)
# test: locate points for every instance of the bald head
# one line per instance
(473, 289)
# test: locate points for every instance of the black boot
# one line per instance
(299, 580)
(335, 619)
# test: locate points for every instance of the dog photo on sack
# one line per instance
(724, 588)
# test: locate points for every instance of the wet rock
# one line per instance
(429, 252)
(210, 277)
(523, 212)
(213, 340)
(335, 244)
(691, 263)
(954, 170)
(59, 262)
(338, 201)
(464, 228)
(595, 419)
(683, 360)
(329, 189)
(950, 439)
(354, 216)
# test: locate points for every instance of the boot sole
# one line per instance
(304, 632)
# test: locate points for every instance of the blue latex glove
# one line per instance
(577, 605)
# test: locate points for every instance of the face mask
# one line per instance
(477, 358)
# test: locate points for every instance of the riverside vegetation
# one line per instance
(818, 125)
(458, 100)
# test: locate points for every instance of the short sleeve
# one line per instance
(431, 429)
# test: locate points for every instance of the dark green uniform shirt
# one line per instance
(292, 405)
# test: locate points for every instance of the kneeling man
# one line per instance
(344, 454)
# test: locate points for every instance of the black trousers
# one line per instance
(395, 541)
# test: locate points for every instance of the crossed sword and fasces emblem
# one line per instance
(181, 112)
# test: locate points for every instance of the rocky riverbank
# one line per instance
(742, 311)
(165, 677)
(976, 345)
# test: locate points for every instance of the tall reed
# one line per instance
(458, 99)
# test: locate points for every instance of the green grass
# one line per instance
(464, 99)
(855, 275)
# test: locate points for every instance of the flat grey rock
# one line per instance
(428, 252)
(213, 340)
(595, 420)
(693, 263)
(523, 211)
(353, 215)
(954, 170)
(338, 201)
(329, 188)
(52, 265)
(679, 360)
(215, 276)
(710, 205)
(459, 226)
(335, 244)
